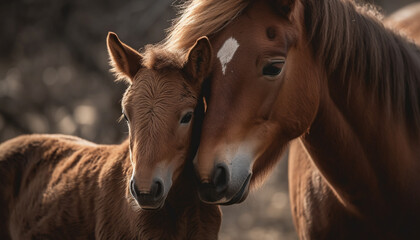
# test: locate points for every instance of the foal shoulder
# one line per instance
(29, 143)
(37, 150)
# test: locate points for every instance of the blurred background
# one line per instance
(54, 78)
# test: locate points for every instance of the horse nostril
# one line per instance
(221, 177)
(157, 189)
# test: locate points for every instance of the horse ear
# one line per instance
(199, 61)
(126, 62)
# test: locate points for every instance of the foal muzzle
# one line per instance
(149, 200)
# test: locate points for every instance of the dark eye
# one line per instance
(273, 68)
(125, 116)
(186, 118)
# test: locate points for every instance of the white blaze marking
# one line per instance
(226, 52)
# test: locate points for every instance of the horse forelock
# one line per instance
(350, 41)
(199, 18)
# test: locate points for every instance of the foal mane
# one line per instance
(352, 43)
(157, 57)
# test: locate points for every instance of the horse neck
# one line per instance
(368, 119)
(363, 54)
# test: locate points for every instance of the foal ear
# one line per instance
(199, 61)
(126, 62)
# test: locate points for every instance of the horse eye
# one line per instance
(273, 68)
(186, 118)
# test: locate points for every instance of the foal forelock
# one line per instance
(351, 43)
(157, 57)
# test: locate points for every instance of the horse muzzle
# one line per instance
(225, 187)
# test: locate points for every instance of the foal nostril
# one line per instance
(148, 199)
(157, 189)
(221, 177)
(133, 189)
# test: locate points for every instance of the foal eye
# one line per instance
(186, 118)
(273, 68)
(125, 116)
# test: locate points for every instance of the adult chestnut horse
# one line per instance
(324, 72)
(63, 187)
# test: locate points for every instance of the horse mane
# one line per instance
(352, 43)
(197, 18)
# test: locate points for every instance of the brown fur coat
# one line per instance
(63, 187)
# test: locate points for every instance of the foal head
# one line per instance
(159, 107)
